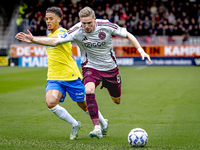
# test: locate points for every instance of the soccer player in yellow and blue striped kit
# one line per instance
(63, 75)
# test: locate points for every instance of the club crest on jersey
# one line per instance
(102, 35)
(89, 72)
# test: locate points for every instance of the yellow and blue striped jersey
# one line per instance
(61, 65)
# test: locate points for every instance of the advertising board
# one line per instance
(156, 61)
(36, 55)
(32, 62)
(39, 61)
(159, 50)
(197, 61)
(34, 50)
(126, 55)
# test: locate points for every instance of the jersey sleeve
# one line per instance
(70, 35)
(61, 32)
(119, 31)
(65, 38)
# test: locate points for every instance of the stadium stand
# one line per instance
(151, 17)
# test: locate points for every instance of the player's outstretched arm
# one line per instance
(24, 37)
(136, 44)
(29, 38)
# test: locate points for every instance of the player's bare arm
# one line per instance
(136, 44)
(29, 38)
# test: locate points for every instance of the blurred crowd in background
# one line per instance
(149, 17)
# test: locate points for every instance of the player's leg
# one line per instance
(95, 114)
(55, 94)
(73, 93)
(52, 98)
(104, 122)
(93, 109)
(83, 106)
(91, 103)
(76, 91)
(116, 100)
(113, 86)
(91, 80)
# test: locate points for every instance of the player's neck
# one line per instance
(94, 27)
(54, 29)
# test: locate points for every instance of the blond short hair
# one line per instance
(86, 12)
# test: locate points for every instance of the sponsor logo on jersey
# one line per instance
(85, 38)
(96, 44)
(102, 35)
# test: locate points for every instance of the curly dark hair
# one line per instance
(56, 10)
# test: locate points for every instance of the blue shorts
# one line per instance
(75, 89)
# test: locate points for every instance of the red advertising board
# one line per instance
(33, 50)
(159, 50)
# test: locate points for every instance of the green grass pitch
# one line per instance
(165, 101)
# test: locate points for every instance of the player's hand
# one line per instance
(25, 37)
(143, 54)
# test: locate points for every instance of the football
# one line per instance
(137, 137)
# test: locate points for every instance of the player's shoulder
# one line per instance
(102, 20)
(106, 23)
(74, 29)
(61, 30)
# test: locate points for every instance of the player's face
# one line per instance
(88, 23)
(52, 21)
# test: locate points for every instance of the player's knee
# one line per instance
(90, 88)
(51, 103)
(89, 91)
(53, 98)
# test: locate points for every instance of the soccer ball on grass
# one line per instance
(137, 137)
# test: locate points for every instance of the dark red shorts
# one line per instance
(110, 79)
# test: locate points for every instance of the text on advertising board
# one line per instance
(33, 50)
(159, 50)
